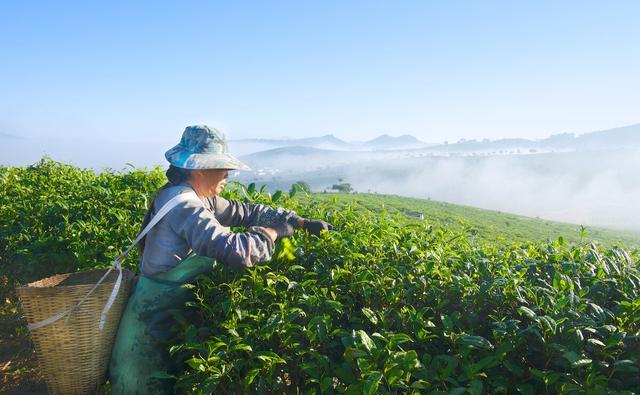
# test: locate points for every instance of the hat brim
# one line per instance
(184, 159)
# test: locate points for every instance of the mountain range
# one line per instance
(329, 142)
(623, 137)
(588, 179)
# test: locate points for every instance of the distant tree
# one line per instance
(343, 187)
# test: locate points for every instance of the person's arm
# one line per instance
(206, 236)
(234, 213)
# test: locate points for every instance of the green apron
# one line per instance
(145, 331)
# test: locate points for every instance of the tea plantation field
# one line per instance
(490, 225)
(464, 301)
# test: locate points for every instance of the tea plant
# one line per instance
(383, 304)
(56, 218)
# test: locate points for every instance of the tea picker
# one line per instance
(188, 241)
(74, 318)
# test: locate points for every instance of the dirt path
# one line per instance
(18, 365)
(18, 368)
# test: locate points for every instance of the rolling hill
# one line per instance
(491, 225)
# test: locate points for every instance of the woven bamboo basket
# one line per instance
(73, 354)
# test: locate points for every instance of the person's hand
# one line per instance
(315, 227)
(283, 229)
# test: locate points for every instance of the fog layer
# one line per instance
(584, 187)
(594, 188)
(589, 187)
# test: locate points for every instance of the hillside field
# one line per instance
(461, 301)
(489, 225)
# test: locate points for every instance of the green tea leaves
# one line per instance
(383, 304)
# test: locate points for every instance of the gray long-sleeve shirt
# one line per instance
(201, 225)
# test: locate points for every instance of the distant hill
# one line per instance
(300, 158)
(618, 138)
(492, 225)
(387, 142)
(485, 145)
(624, 137)
(329, 151)
(293, 151)
(327, 139)
(248, 146)
(328, 142)
(312, 153)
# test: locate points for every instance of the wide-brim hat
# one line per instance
(202, 147)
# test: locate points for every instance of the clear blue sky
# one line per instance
(438, 70)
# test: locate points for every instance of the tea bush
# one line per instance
(56, 218)
(380, 305)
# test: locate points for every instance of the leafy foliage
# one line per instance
(56, 218)
(491, 226)
(384, 304)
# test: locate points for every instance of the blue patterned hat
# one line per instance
(202, 147)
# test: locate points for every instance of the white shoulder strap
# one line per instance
(183, 197)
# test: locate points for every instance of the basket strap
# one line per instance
(183, 197)
(168, 206)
